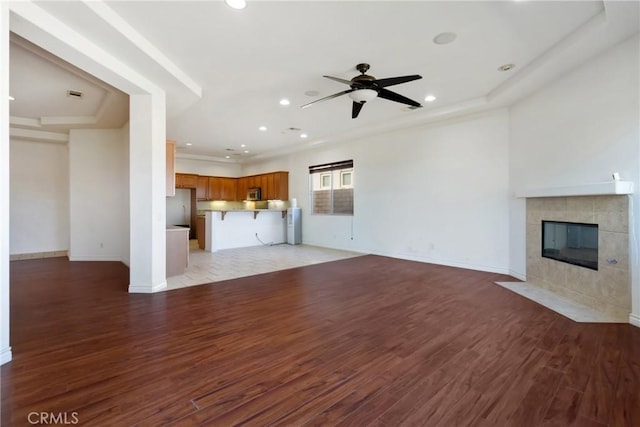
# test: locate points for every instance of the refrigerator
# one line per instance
(294, 226)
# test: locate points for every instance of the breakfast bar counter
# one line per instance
(226, 229)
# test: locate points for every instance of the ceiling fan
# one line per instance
(364, 88)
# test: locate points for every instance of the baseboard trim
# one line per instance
(5, 356)
(456, 264)
(38, 255)
(518, 275)
(95, 258)
(634, 319)
(147, 289)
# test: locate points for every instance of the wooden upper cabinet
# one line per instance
(280, 185)
(242, 186)
(186, 180)
(229, 189)
(171, 168)
(202, 187)
(220, 188)
(215, 188)
(275, 186)
(264, 185)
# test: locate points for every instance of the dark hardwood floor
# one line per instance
(368, 341)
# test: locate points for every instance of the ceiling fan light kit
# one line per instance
(236, 4)
(365, 88)
(363, 95)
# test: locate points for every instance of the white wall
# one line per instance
(205, 167)
(179, 207)
(39, 197)
(436, 193)
(99, 195)
(579, 130)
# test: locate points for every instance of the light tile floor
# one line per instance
(207, 267)
(572, 310)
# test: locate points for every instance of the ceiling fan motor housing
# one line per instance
(364, 82)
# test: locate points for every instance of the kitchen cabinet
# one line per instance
(186, 180)
(171, 168)
(264, 185)
(202, 185)
(252, 182)
(221, 188)
(275, 186)
(214, 188)
(201, 231)
(229, 189)
(280, 186)
(242, 186)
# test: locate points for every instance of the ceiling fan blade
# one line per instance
(355, 110)
(335, 95)
(396, 80)
(392, 96)
(348, 82)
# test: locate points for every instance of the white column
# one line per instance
(147, 177)
(634, 253)
(5, 348)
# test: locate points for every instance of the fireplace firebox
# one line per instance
(571, 242)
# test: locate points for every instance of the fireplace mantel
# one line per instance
(610, 188)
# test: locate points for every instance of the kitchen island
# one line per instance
(226, 229)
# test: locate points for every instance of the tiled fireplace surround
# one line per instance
(607, 290)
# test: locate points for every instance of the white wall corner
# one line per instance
(634, 320)
(518, 275)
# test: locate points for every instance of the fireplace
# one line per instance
(589, 235)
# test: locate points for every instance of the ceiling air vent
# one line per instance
(74, 93)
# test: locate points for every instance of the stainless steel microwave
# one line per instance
(254, 194)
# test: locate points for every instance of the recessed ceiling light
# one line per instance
(303, 135)
(284, 101)
(506, 67)
(246, 151)
(243, 145)
(429, 98)
(188, 144)
(236, 4)
(227, 157)
(262, 128)
(11, 98)
(444, 38)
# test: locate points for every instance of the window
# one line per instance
(345, 179)
(331, 188)
(325, 181)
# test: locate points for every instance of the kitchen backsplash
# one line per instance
(220, 205)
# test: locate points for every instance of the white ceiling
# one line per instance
(245, 61)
